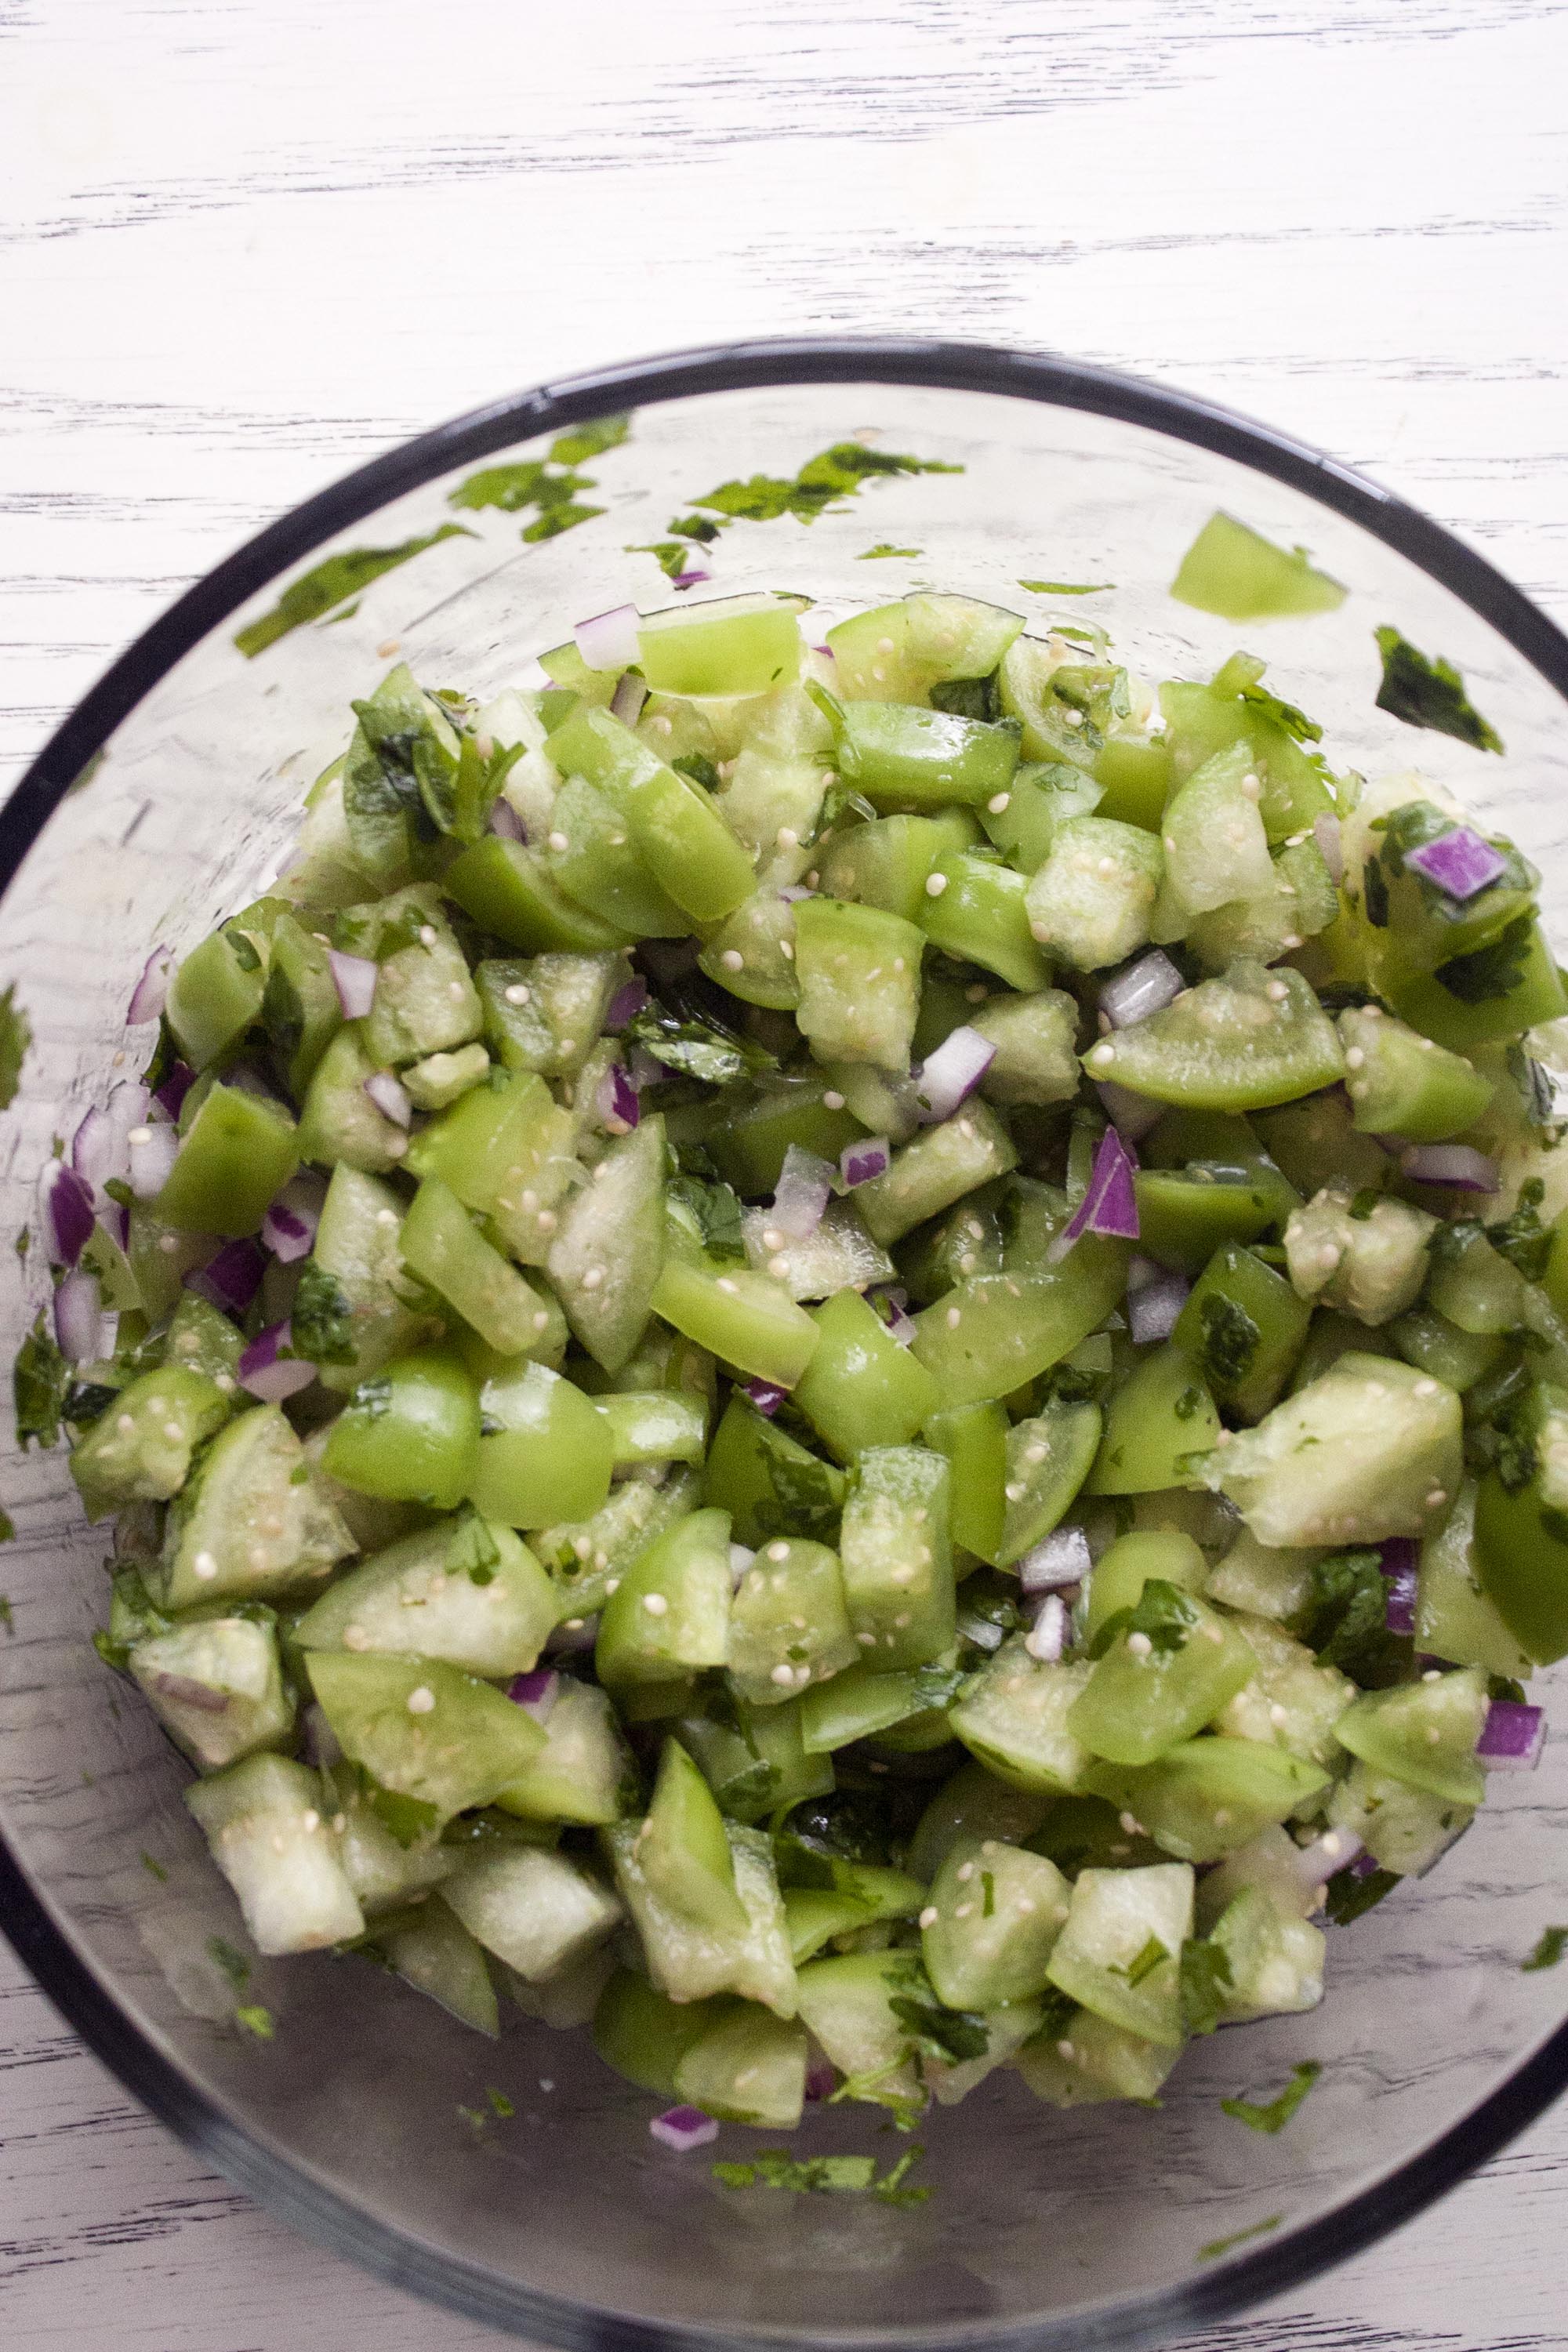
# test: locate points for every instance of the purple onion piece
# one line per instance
(691, 579)
(67, 1214)
(949, 1075)
(186, 1692)
(79, 1318)
(1335, 1850)
(390, 1098)
(684, 2128)
(803, 1188)
(171, 1094)
(1511, 1737)
(616, 1099)
(1110, 1205)
(765, 1395)
(231, 1280)
(609, 640)
(535, 1692)
(1154, 1307)
(289, 1226)
(266, 1371)
(1460, 862)
(1363, 1866)
(100, 1150)
(630, 694)
(505, 821)
(1399, 1555)
(355, 978)
(862, 1164)
(820, 2078)
(1457, 1165)
(152, 991)
(626, 1003)
(1141, 988)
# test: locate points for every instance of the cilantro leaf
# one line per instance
(1146, 1962)
(472, 1550)
(332, 583)
(698, 1049)
(1206, 1978)
(1493, 970)
(1549, 1951)
(590, 440)
(669, 554)
(1296, 725)
(255, 2020)
(717, 1209)
(1429, 693)
(872, 554)
(1347, 1897)
(699, 768)
(949, 2035)
(968, 698)
(39, 1378)
(1343, 1621)
(233, 1964)
(1068, 587)
(1522, 1239)
(7, 1616)
(1274, 2116)
(1230, 1339)
(321, 1327)
(1218, 2246)
(16, 1036)
(1163, 1615)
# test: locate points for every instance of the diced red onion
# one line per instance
(692, 579)
(67, 1210)
(318, 1741)
(100, 1149)
(1152, 1310)
(1460, 862)
(186, 1692)
(1511, 1736)
(795, 892)
(505, 820)
(766, 1396)
(684, 2128)
(1400, 1562)
(617, 1098)
(536, 1692)
(288, 1228)
(1047, 1638)
(171, 1094)
(862, 1164)
(609, 640)
(152, 1152)
(1130, 1115)
(79, 1318)
(152, 991)
(950, 1076)
(1335, 1850)
(741, 1558)
(626, 1003)
(1364, 1864)
(354, 977)
(1110, 1205)
(1457, 1165)
(265, 1371)
(390, 1098)
(1062, 1558)
(1326, 833)
(804, 1185)
(900, 1326)
(820, 2077)
(231, 1280)
(572, 1635)
(630, 694)
(1141, 988)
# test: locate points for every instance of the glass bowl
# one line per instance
(165, 800)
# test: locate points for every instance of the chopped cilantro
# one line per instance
(1205, 1978)
(698, 1049)
(1187, 1403)
(968, 698)
(321, 1326)
(1549, 1951)
(8, 1617)
(949, 2035)
(834, 474)
(1429, 693)
(1218, 2246)
(235, 1965)
(1344, 1619)
(988, 1891)
(591, 440)
(1364, 1202)
(872, 555)
(699, 768)
(670, 556)
(7, 1531)
(717, 1209)
(1274, 2115)
(1493, 970)
(154, 1869)
(257, 2020)
(1374, 895)
(1147, 1961)
(16, 1036)
(39, 1379)
(1296, 723)
(1348, 1896)
(500, 2103)
(1068, 587)
(472, 1550)
(1230, 1339)
(1163, 1615)
(1522, 1239)
(823, 2175)
(315, 592)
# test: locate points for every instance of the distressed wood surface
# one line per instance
(244, 245)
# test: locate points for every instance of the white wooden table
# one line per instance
(244, 244)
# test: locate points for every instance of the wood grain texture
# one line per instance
(244, 244)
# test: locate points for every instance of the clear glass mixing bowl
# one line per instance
(165, 800)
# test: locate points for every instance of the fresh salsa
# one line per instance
(839, 1355)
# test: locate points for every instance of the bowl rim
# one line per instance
(1047, 379)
